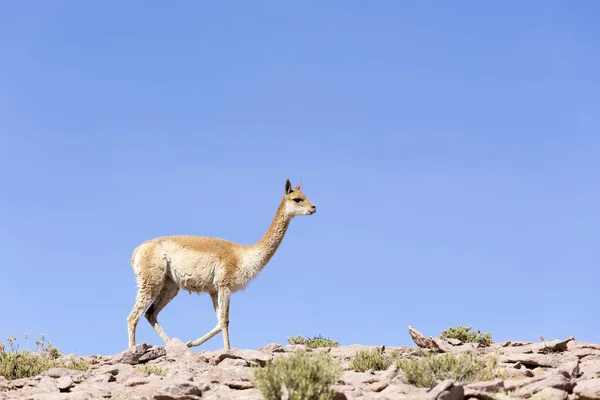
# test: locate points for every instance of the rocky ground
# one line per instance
(566, 369)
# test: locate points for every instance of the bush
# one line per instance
(433, 368)
(313, 343)
(465, 335)
(153, 370)
(299, 376)
(15, 363)
(374, 359)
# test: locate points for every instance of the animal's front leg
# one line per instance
(221, 305)
(223, 311)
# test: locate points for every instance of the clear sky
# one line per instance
(451, 150)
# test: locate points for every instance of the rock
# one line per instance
(423, 342)
(552, 346)
(340, 391)
(233, 363)
(224, 376)
(132, 382)
(61, 372)
(585, 353)
(102, 378)
(481, 395)
(339, 395)
(454, 342)
(550, 393)
(272, 348)
(177, 350)
(152, 354)
(573, 345)
(589, 369)
(251, 356)
(539, 373)
(587, 390)
(65, 383)
(377, 386)
(557, 381)
(495, 386)
(512, 385)
(518, 373)
(46, 385)
(179, 391)
(357, 379)
(509, 343)
(346, 353)
(532, 360)
(240, 385)
(131, 356)
(571, 369)
(447, 390)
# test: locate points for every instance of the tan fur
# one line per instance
(205, 264)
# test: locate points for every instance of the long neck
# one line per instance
(262, 251)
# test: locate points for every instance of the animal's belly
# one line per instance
(193, 275)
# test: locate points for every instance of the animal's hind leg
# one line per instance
(149, 266)
(142, 301)
(168, 293)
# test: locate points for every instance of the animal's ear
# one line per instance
(298, 186)
(288, 187)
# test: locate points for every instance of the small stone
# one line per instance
(152, 354)
(240, 385)
(251, 356)
(47, 385)
(233, 363)
(65, 383)
(179, 391)
(494, 386)
(132, 382)
(132, 355)
(377, 386)
(176, 350)
(272, 348)
(447, 390)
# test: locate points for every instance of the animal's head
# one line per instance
(296, 202)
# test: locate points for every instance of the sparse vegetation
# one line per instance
(299, 376)
(374, 359)
(464, 334)
(18, 363)
(153, 370)
(433, 368)
(314, 342)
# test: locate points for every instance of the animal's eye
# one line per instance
(297, 200)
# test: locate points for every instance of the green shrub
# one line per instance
(314, 342)
(433, 368)
(374, 359)
(15, 363)
(296, 340)
(464, 334)
(299, 376)
(153, 370)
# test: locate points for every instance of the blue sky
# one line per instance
(452, 152)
